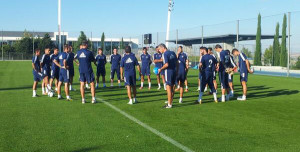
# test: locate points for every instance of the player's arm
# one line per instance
(65, 64)
(33, 66)
(248, 66)
(139, 69)
(121, 70)
(187, 63)
(56, 63)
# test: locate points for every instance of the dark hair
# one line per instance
(66, 46)
(234, 50)
(227, 51)
(162, 45)
(204, 48)
(84, 43)
(218, 46)
(156, 47)
(100, 49)
(55, 48)
(181, 47)
(128, 49)
(37, 50)
(209, 48)
(144, 48)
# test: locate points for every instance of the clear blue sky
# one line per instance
(135, 17)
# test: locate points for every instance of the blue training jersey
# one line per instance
(170, 58)
(61, 57)
(242, 63)
(53, 65)
(46, 62)
(182, 58)
(115, 61)
(129, 62)
(158, 56)
(100, 60)
(146, 60)
(85, 58)
(224, 60)
(208, 63)
(36, 62)
(70, 59)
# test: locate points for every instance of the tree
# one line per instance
(82, 37)
(122, 44)
(24, 44)
(257, 55)
(283, 53)
(247, 52)
(297, 65)
(268, 55)
(276, 48)
(103, 41)
(8, 48)
(46, 42)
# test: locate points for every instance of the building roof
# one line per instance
(229, 38)
(21, 33)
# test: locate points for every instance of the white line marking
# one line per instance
(165, 137)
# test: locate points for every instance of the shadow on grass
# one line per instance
(87, 149)
(16, 88)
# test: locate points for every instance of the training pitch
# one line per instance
(268, 121)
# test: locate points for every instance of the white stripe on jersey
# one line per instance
(232, 62)
(43, 58)
(242, 56)
(163, 58)
(166, 74)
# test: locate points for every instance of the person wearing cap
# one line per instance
(85, 58)
(128, 73)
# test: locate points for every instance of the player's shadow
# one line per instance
(94, 148)
(262, 87)
(16, 88)
(271, 93)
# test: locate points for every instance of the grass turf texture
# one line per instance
(267, 121)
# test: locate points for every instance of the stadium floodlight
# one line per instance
(170, 9)
(59, 25)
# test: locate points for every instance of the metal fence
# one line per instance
(237, 27)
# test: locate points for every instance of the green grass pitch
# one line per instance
(268, 121)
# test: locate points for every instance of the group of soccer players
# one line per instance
(171, 67)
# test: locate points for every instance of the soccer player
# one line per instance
(115, 60)
(214, 73)
(223, 76)
(128, 63)
(61, 62)
(36, 71)
(157, 59)
(202, 52)
(182, 71)
(100, 61)
(146, 62)
(46, 71)
(54, 69)
(171, 67)
(207, 66)
(85, 58)
(244, 70)
(230, 76)
(71, 66)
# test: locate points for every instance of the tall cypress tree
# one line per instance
(276, 47)
(283, 53)
(257, 55)
(103, 41)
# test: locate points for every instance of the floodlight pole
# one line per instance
(176, 39)
(168, 23)
(32, 43)
(59, 25)
(289, 43)
(2, 45)
(202, 38)
(237, 34)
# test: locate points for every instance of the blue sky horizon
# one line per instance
(130, 18)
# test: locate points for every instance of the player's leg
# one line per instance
(67, 81)
(43, 88)
(59, 90)
(119, 77)
(169, 94)
(230, 82)
(186, 85)
(181, 85)
(134, 93)
(163, 78)
(97, 81)
(215, 84)
(129, 94)
(223, 85)
(71, 83)
(158, 81)
(149, 78)
(82, 92)
(244, 79)
(212, 88)
(112, 75)
(227, 87)
(103, 78)
(93, 92)
(143, 72)
(202, 88)
(34, 86)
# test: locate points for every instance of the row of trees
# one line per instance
(275, 55)
(27, 43)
